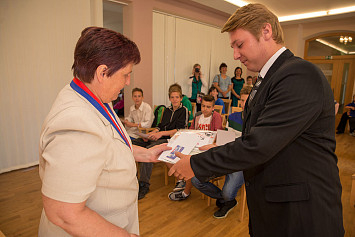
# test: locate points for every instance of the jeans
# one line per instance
(342, 123)
(229, 191)
(145, 169)
(352, 124)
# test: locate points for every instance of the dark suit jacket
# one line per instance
(287, 154)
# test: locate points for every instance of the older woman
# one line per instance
(223, 82)
(87, 161)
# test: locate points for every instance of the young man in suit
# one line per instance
(287, 146)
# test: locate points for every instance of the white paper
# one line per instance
(237, 133)
(224, 137)
(205, 137)
(183, 143)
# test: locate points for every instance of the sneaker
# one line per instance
(352, 134)
(178, 196)
(143, 190)
(180, 185)
(225, 209)
(219, 204)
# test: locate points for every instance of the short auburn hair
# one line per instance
(253, 18)
(100, 46)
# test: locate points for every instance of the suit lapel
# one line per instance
(275, 66)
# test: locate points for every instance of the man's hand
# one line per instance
(207, 147)
(182, 169)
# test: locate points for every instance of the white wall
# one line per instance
(37, 41)
(180, 43)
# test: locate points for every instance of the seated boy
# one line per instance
(225, 198)
(174, 117)
(140, 114)
(187, 103)
(249, 81)
(206, 119)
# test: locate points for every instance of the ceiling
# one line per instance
(291, 7)
(282, 7)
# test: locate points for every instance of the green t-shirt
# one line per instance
(186, 102)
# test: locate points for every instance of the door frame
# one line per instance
(338, 62)
(337, 76)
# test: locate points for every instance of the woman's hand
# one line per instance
(198, 75)
(155, 151)
(142, 154)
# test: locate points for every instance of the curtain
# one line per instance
(178, 44)
(37, 42)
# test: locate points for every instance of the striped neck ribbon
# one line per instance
(104, 109)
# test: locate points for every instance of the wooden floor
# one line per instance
(20, 204)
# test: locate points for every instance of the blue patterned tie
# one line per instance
(255, 88)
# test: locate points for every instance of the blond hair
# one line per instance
(193, 68)
(253, 18)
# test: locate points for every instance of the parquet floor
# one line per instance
(20, 204)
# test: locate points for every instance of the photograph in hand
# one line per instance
(184, 143)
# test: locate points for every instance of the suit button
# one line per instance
(246, 183)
